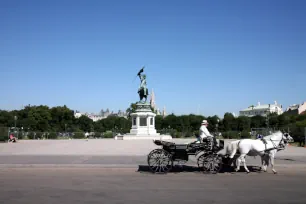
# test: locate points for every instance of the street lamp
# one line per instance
(217, 125)
(267, 121)
(15, 119)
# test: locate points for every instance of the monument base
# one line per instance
(143, 137)
(143, 125)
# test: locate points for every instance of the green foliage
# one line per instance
(243, 123)
(131, 109)
(245, 135)
(31, 135)
(258, 122)
(39, 120)
(231, 134)
(52, 135)
(108, 134)
(98, 134)
(3, 134)
(229, 122)
(301, 123)
(79, 135)
(85, 123)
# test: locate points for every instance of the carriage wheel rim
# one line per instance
(212, 164)
(161, 161)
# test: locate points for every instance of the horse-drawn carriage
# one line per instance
(162, 160)
(210, 161)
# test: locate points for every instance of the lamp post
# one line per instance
(65, 129)
(267, 121)
(217, 125)
(15, 119)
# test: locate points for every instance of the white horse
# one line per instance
(266, 148)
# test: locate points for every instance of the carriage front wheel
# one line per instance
(211, 163)
(160, 161)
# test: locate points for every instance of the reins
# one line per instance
(274, 145)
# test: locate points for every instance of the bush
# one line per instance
(245, 135)
(3, 138)
(3, 134)
(97, 134)
(108, 134)
(52, 135)
(189, 134)
(79, 135)
(39, 135)
(231, 135)
(173, 133)
(31, 135)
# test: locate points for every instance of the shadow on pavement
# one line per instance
(195, 169)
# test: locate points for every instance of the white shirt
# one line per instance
(204, 132)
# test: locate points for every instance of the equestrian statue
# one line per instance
(142, 90)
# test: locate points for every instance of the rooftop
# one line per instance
(263, 106)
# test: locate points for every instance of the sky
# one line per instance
(200, 57)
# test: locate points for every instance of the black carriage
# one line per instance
(162, 160)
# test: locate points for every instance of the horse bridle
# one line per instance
(279, 145)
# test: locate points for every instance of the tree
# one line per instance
(158, 122)
(212, 122)
(85, 123)
(283, 120)
(243, 123)
(229, 122)
(131, 109)
(258, 121)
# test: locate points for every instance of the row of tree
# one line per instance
(61, 119)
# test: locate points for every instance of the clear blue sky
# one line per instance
(207, 56)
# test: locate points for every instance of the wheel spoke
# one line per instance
(160, 161)
(211, 163)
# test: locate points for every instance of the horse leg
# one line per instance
(239, 160)
(234, 161)
(266, 162)
(244, 163)
(272, 162)
(263, 162)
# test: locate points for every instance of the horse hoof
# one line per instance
(247, 172)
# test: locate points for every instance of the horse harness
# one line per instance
(274, 146)
(265, 142)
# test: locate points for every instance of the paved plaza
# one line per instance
(125, 186)
(107, 153)
(110, 171)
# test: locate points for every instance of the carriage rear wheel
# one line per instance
(160, 161)
(212, 164)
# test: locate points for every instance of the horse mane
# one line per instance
(273, 135)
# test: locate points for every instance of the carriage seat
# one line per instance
(165, 143)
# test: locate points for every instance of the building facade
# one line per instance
(103, 114)
(296, 109)
(262, 110)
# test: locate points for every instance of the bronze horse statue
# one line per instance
(143, 94)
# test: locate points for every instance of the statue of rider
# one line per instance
(143, 83)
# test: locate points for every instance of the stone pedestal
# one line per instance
(143, 124)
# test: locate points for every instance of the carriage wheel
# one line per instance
(160, 161)
(201, 160)
(212, 164)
